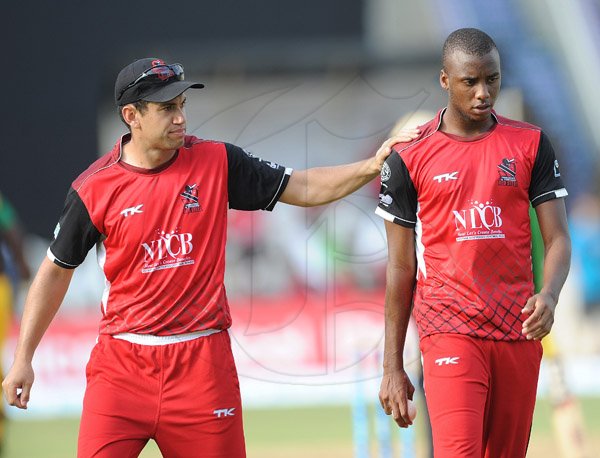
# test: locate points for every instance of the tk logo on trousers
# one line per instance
(447, 360)
(219, 413)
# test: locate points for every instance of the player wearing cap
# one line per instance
(455, 203)
(155, 208)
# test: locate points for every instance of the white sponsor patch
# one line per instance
(168, 251)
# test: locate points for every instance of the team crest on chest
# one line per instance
(507, 170)
(189, 196)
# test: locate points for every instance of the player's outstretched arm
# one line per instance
(321, 185)
(396, 387)
(43, 300)
(557, 260)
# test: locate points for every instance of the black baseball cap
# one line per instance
(151, 79)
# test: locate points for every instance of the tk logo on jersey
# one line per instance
(446, 177)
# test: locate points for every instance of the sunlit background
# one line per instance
(303, 84)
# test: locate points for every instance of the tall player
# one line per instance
(456, 205)
(155, 208)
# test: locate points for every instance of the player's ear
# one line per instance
(444, 79)
(129, 115)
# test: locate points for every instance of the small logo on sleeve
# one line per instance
(556, 169)
(385, 199)
(386, 172)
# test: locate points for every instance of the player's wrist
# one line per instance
(393, 366)
(552, 295)
(372, 168)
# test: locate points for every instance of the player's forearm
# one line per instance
(43, 301)
(398, 304)
(557, 261)
(322, 185)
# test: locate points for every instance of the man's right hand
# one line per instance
(17, 384)
(396, 389)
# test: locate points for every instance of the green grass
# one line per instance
(270, 433)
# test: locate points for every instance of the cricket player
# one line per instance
(455, 203)
(155, 209)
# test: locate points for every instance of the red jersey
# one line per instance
(160, 234)
(468, 202)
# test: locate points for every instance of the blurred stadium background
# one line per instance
(303, 84)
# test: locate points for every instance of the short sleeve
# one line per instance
(398, 196)
(252, 183)
(75, 234)
(546, 182)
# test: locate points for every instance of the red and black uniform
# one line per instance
(468, 202)
(160, 238)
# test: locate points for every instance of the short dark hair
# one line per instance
(470, 41)
(140, 105)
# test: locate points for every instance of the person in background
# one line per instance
(11, 251)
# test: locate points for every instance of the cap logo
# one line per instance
(162, 73)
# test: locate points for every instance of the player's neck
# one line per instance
(136, 153)
(455, 124)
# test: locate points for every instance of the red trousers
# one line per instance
(183, 395)
(480, 395)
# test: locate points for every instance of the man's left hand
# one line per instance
(540, 309)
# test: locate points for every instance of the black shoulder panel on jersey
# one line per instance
(252, 183)
(546, 182)
(75, 233)
(398, 196)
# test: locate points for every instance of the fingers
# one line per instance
(410, 391)
(17, 385)
(385, 405)
(398, 409)
(394, 393)
(406, 135)
(539, 329)
(529, 306)
(17, 397)
(541, 319)
(394, 408)
(400, 414)
(401, 137)
(24, 396)
(12, 395)
(9, 394)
